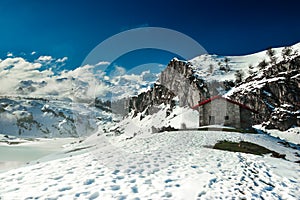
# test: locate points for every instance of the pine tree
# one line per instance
(221, 67)
(227, 68)
(271, 54)
(211, 68)
(250, 70)
(239, 75)
(296, 53)
(262, 64)
(286, 53)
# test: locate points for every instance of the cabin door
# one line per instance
(211, 120)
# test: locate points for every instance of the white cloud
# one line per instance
(103, 63)
(118, 71)
(61, 60)
(9, 54)
(32, 53)
(45, 58)
(84, 82)
(14, 70)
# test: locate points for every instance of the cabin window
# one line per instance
(226, 117)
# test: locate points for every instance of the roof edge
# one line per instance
(227, 99)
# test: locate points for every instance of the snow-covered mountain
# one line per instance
(29, 117)
(208, 66)
(267, 82)
(191, 81)
(136, 157)
(39, 100)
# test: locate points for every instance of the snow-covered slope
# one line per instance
(49, 118)
(169, 165)
(143, 124)
(40, 99)
(208, 66)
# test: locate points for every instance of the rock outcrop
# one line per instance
(273, 91)
(148, 101)
(275, 94)
(179, 77)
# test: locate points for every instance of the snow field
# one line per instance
(169, 165)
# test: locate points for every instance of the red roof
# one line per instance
(221, 97)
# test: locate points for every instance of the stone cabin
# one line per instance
(219, 110)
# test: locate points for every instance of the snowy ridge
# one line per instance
(202, 64)
(44, 118)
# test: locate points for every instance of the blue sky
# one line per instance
(74, 28)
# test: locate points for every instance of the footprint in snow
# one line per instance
(134, 189)
(132, 181)
(58, 177)
(88, 181)
(211, 182)
(65, 188)
(120, 177)
(167, 195)
(168, 180)
(122, 197)
(116, 172)
(114, 187)
(20, 178)
(94, 196)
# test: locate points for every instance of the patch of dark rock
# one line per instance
(129, 138)
(79, 149)
(284, 143)
(168, 128)
(246, 147)
(11, 142)
(278, 155)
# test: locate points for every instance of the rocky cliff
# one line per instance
(147, 101)
(178, 79)
(275, 93)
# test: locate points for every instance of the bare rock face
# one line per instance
(157, 95)
(180, 79)
(274, 92)
(276, 95)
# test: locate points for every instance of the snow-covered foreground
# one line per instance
(16, 152)
(291, 135)
(169, 165)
